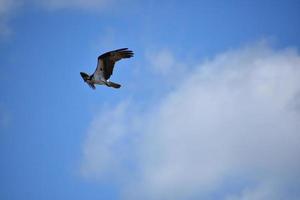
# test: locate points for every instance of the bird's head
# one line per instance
(84, 76)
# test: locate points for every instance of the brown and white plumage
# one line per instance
(105, 67)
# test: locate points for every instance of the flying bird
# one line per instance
(105, 67)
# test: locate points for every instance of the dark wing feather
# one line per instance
(106, 61)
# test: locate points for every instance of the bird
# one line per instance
(105, 67)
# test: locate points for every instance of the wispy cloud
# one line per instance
(234, 118)
(74, 4)
(162, 61)
(5, 117)
(7, 7)
(164, 68)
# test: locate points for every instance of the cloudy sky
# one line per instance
(209, 107)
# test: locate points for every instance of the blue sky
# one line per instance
(238, 61)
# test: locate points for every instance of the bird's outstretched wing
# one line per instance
(106, 61)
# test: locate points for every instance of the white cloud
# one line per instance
(105, 149)
(234, 116)
(100, 152)
(263, 191)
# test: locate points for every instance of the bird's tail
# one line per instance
(112, 84)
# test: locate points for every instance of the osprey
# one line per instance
(105, 67)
